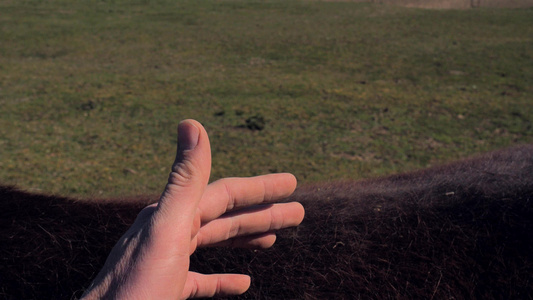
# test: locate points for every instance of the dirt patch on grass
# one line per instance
(447, 4)
(507, 3)
(452, 4)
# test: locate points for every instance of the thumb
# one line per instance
(189, 176)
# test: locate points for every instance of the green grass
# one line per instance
(91, 91)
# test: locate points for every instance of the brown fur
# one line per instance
(464, 230)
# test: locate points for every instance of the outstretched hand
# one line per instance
(151, 260)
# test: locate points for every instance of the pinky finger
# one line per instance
(203, 286)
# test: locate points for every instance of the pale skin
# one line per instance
(151, 260)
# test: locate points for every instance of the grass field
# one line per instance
(91, 92)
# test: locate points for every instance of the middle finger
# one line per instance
(255, 220)
(229, 194)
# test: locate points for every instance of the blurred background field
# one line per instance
(91, 91)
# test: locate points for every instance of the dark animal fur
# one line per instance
(460, 231)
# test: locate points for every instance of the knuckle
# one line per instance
(181, 173)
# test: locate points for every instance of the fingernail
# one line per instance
(188, 135)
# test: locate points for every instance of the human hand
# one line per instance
(151, 260)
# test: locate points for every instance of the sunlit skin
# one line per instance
(151, 260)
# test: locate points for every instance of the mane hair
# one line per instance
(461, 230)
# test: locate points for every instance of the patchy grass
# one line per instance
(91, 92)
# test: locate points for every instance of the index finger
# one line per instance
(229, 194)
